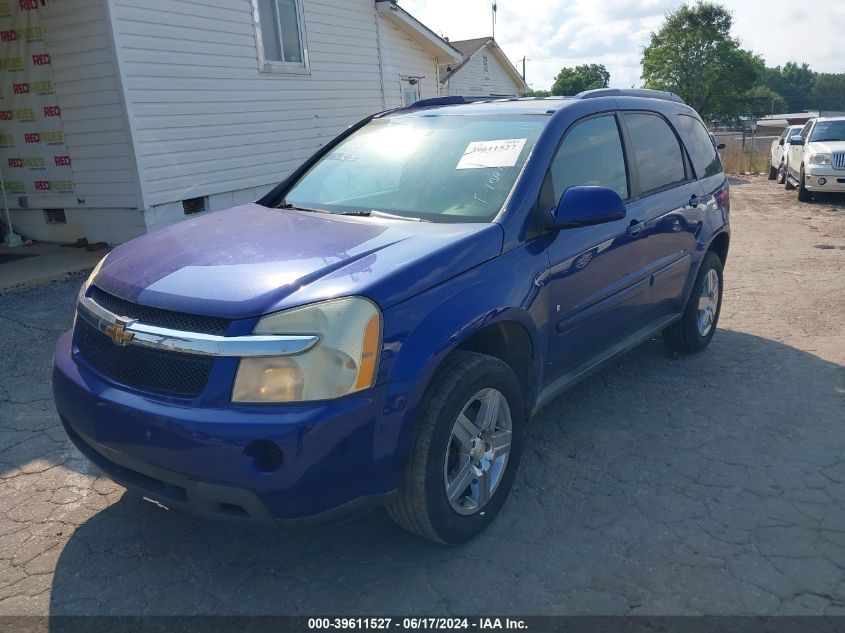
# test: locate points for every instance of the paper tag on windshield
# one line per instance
(483, 154)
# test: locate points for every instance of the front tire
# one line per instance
(786, 182)
(781, 178)
(696, 327)
(465, 452)
(803, 194)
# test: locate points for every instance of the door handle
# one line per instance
(635, 228)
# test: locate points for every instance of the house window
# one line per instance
(55, 216)
(281, 36)
(410, 91)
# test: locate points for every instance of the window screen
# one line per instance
(703, 154)
(656, 150)
(590, 154)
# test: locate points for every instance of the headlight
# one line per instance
(820, 159)
(343, 362)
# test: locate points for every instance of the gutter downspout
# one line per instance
(380, 62)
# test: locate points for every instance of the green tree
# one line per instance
(795, 83)
(538, 93)
(828, 92)
(763, 100)
(694, 55)
(571, 81)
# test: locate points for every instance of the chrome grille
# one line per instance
(165, 372)
(158, 316)
(838, 160)
(149, 369)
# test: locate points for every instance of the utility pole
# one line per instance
(523, 69)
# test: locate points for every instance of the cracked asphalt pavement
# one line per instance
(710, 484)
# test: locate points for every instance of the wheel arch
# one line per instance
(720, 244)
(509, 335)
(510, 342)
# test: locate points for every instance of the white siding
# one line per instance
(93, 116)
(402, 57)
(207, 122)
(472, 81)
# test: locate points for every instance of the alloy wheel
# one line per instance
(708, 302)
(477, 452)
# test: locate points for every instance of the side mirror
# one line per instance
(586, 206)
(796, 140)
(781, 142)
(721, 146)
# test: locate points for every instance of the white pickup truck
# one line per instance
(815, 161)
(777, 162)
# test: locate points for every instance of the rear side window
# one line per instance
(590, 154)
(656, 151)
(700, 147)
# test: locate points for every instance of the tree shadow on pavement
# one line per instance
(712, 483)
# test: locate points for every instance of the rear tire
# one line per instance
(773, 172)
(803, 194)
(433, 501)
(696, 327)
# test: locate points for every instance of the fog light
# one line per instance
(266, 456)
(822, 181)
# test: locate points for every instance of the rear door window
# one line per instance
(656, 151)
(705, 160)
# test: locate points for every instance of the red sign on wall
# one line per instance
(31, 135)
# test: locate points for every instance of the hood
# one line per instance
(252, 260)
(827, 147)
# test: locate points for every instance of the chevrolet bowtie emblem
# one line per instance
(117, 331)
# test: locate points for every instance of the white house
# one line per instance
(484, 72)
(121, 116)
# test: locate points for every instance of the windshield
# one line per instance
(437, 168)
(828, 131)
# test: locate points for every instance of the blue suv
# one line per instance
(380, 328)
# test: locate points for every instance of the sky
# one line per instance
(557, 33)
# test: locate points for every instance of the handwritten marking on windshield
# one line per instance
(490, 184)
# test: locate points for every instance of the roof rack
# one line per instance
(630, 92)
(450, 100)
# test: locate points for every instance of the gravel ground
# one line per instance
(661, 485)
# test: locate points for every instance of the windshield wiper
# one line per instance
(288, 205)
(826, 140)
(382, 214)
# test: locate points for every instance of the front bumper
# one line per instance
(824, 178)
(336, 456)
